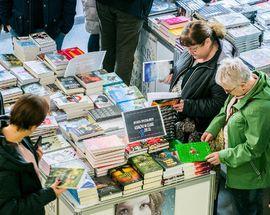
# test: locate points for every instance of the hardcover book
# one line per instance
(147, 166)
(107, 188)
(126, 176)
(70, 177)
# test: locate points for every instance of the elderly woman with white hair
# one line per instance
(245, 123)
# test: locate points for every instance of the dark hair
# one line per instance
(30, 110)
(197, 31)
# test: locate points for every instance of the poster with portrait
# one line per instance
(159, 203)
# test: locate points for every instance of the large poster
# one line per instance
(159, 203)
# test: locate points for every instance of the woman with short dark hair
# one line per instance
(21, 191)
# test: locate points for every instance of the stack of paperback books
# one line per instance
(100, 100)
(10, 61)
(91, 82)
(107, 188)
(127, 178)
(211, 10)
(192, 170)
(69, 85)
(39, 70)
(232, 20)
(135, 148)
(105, 113)
(188, 7)
(44, 42)
(74, 106)
(23, 76)
(25, 48)
(244, 38)
(102, 152)
(257, 59)
(11, 95)
(149, 169)
(55, 157)
(56, 62)
(7, 79)
(109, 78)
(157, 144)
(80, 128)
(264, 20)
(173, 171)
(46, 129)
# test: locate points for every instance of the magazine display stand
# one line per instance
(196, 191)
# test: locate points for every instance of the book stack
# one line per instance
(54, 143)
(7, 79)
(80, 128)
(69, 85)
(46, 129)
(56, 62)
(56, 157)
(36, 89)
(74, 106)
(232, 20)
(127, 178)
(169, 116)
(71, 52)
(39, 70)
(266, 38)
(86, 194)
(161, 6)
(244, 38)
(91, 82)
(154, 22)
(133, 105)
(211, 10)
(107, 188)
(264, 20)
(110, 79)
(25, 48)
(172, 28)
(248, 11)
(135, 148)
(257, 59)
(106, 113)
(11, 95)
(156, 144)
(44, 42)
(103, 151)
(59, 115)
(23, 76)
(195, 169)
(100, 100)
(172, 168)
(149, 169)
(188, 7)
(125, 94)
(10, 61)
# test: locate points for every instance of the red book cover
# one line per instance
(71, 52)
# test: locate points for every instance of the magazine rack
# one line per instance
(192, 196)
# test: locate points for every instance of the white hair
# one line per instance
(232, 72)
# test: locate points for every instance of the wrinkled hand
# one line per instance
(57, 191)
(180, 106)
(206, 137)
(39, 153)
(213, 158)
(168, 79)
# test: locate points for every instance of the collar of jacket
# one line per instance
(260, 91)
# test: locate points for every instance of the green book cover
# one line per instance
(70, 177)
(145, 164)
(193, 152)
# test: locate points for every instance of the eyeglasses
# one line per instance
(195, 48)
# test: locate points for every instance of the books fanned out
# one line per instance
(25, 48)
(44, 42)
(70, 177)
(69, 85)
(128, 178)
(104, 151)
(150, 170)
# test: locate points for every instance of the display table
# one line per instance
(192, 196)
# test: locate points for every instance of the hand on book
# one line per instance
(168, 79)
(179, 107)
(213, 158)
(57, 191)
(206, 137)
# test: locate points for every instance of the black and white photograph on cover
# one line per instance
(159, 203)
(154, 74)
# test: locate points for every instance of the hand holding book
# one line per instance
(57, 191)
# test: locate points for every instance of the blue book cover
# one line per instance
(132, 105)
(125, 94)
(111, 79)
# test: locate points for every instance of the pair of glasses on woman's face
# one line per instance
(195, 48)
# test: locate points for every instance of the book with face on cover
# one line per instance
(70, 177)
(10, 61)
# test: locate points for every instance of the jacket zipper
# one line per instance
(255, 169)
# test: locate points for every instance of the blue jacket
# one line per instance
(58, 15)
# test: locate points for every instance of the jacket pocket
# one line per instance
(258, 173)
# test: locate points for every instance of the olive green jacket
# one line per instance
(248, 154)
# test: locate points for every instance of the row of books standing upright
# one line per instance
(247, 26)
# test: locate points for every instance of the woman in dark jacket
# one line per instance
(21, 191)
(194, 78)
